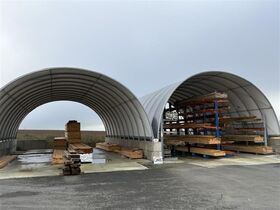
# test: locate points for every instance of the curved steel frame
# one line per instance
(245, 98)
(121, 112)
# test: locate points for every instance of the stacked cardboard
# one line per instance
(72, 163)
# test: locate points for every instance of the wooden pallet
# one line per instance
(202, 151)
(108, 147)
(132, 153)
(249, 149)
(253, 138)
(81, 148)
(195, 139)
(5, 160)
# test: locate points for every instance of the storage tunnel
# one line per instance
(245, 99)
(122, 114)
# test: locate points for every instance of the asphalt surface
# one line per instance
(178, 186)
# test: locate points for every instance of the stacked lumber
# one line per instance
(108, 147)
(195, 139)
(134, 153)
(73, 132)
(72, 163)
(205, 98)
(239, 119)
(57, 156)
(81, 148)
(202, 151)
(5, 160)
(249, 149)
(188, 125)
(252, 138)
(174, 142)
(59, 143)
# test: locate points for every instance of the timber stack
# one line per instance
(203, 125)
(59, 145)
(72, 163)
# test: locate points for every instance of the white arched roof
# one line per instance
(245, 98)
(121, 112)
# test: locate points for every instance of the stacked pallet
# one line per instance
(73, 132)
(72, 163)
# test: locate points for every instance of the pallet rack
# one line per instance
(199, 117)
(203, 125)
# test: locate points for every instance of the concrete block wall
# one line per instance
(152, 150)
(24, 145)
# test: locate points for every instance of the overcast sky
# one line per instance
(145, 45)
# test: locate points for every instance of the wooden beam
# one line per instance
(108, 147)
(189, 125)
(132, 153)
(249, 149)
(174, 142)
(81, 148)
(254, 138)
(195, 139)
(202, 151)
(208, 98)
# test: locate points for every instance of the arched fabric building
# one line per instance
(122, 114)
(244, 97)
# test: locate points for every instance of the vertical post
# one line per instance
(265, 130)
(217, 132)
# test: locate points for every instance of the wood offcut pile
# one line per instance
(133, 153)
(72, 163)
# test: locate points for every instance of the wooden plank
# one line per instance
(249, 129)
(253, 138)
(202, 151)
(174, 142)
(238, 119)
(188, 125)
(195, 139)
(57, 156)
(132, 153)
(249, 149)
(108, 147)
(81, 148)
(211, 97)
(5, 160)
(73, 125)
